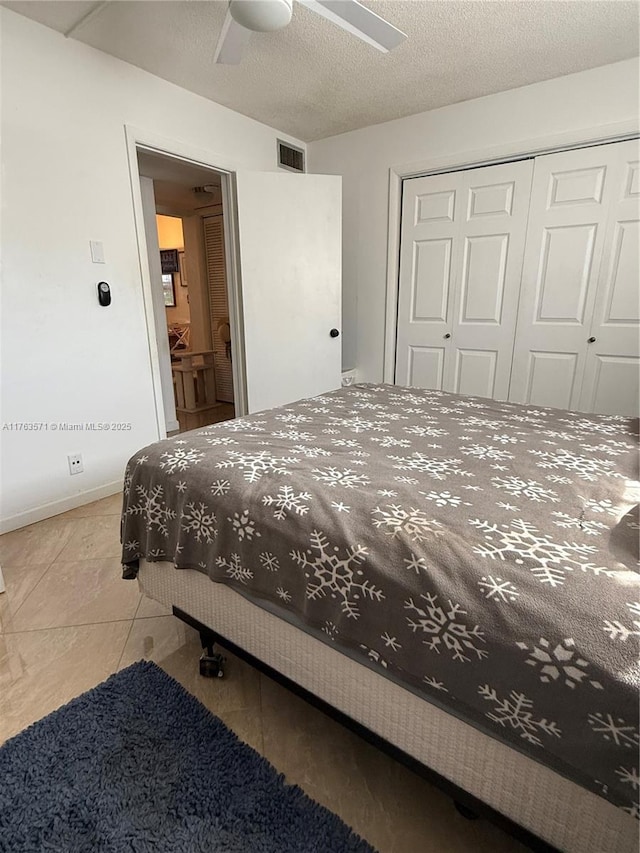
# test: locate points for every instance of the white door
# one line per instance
(214, 254)
(612, 365)
(462, 246)
(290, 249)
(570, 201)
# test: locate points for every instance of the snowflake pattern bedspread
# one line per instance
(483, 554)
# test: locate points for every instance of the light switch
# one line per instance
(97, 251)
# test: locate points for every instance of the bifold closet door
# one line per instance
(576, 338)
(611, 383)
(462, 246)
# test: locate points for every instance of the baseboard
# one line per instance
(39, 513)
(172, 426)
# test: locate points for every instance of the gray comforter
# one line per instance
(482, 554)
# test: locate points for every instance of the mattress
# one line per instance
(534, 796)
(482, 554)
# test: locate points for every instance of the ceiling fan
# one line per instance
(247, 16)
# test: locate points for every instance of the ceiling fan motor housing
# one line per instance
(261, 16)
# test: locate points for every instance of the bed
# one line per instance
(457, 575)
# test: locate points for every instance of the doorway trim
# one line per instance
(472, 159)
(137, 138)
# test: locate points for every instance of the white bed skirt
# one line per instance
(554, 808)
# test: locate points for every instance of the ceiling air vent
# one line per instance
(289, 157)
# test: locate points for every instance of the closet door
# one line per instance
(568, 217)
(462, 245)
(612, 364)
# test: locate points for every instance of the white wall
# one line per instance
(65, 181)
(601, 96)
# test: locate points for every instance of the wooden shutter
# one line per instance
(218, 303)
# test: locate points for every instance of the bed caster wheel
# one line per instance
(465, 811)
(212, 666)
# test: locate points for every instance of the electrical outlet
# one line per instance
(75, 463)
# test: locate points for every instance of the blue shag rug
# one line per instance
(138, 765)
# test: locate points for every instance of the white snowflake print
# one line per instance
(243, 526)
(507, 507)
(505, 439)
(180, 459)
(244, 425)
(220, 487)
(330, 629)
(590, 528)
(336, 477)
(516, 712)
(359, 424)
(439, 469)
(234, 568)
(445, 628)
(283, 594)
(602, 506)
(525, 488)
(339, 577)
(132, 545)
(219, 440)
(391, 441)
(407, 481)
(437, 685)
(497, 589)
(586, 467)
(387, 493)
(310, 452)
(181, 486)
(618, 631)
(611, 448)
(151, 507)
(629, 776)
(547, 560)
(416, 564)
(292, 435)
(394, 521)
(559, 661)
(596, 427)
(559, 479)
(375, 656)
(486, 451)
(156, 553)
(255, 465)
(200, 521)
(287, 501)
(444, 498)
(424, 431)
(351, 443)
(142, 459)
(390, 642)
(614, 729)
(269, 561)
(340, 507)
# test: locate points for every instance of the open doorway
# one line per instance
(184, 226)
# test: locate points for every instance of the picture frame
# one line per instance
(169, 290)
(169, 261)
(183, 269)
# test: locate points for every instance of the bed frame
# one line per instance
(529, 801)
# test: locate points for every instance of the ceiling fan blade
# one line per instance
(232, 42)
(359, 21)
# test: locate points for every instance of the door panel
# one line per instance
(552, 378)
(426, 367)
(461, 252)
(569, 210)
(290, 257)
(475, 372)
(612, 363)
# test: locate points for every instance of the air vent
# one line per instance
(290, 158)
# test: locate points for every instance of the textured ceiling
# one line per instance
(313, 80)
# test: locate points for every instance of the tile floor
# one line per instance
(67, 621)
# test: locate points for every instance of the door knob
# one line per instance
(334, 333)
(591, 340)
(448, 335)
